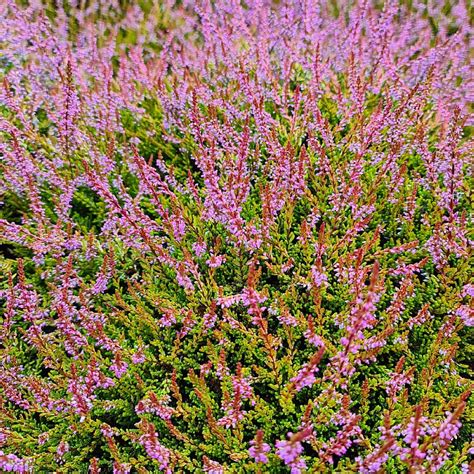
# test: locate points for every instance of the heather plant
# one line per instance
(236, 236)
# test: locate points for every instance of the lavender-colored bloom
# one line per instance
(220, 187)
(288, 451)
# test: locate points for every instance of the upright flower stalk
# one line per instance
(235, 236)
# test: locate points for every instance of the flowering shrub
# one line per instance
(235, 236)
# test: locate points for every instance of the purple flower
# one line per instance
(259, 449)
(62, 449)
(216, 261)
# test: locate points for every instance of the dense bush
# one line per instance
(235, 236)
